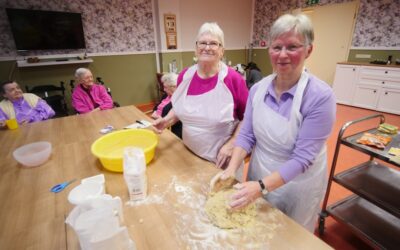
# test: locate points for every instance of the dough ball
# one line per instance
(218, 211)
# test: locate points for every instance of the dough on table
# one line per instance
(218, 211)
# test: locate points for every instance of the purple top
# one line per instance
(82, 102)
(318, 109)
(233, 81)
(24, 112)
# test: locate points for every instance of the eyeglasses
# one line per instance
(289, 49)
(211, 45)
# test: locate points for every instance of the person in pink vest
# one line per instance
(25, 107)
(210, 100)
(89, 96)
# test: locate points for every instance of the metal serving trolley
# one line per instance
(373, 210)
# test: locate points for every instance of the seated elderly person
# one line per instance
(25, 107)
(253, 74)
(88, 96)
(169, 81)
(169, 84)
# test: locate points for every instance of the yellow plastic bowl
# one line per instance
(109, 148)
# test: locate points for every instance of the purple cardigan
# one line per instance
(318, 108)
(82, 102)
(24, 112)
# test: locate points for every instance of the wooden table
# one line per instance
(172, 217)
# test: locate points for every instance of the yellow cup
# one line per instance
(12, 123)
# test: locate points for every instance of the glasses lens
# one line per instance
(211, 45)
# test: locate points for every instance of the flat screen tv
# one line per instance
(46, 30)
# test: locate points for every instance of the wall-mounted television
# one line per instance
(46, 30)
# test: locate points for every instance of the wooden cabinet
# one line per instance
(343, 85)
(371, 87)
(366, 96)
(389, 100)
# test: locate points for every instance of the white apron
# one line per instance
(207, 119)
(276, 137)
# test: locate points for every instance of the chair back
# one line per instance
(160, 87)
(53, 95)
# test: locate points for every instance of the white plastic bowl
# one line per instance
(85, 191)
(33, 154)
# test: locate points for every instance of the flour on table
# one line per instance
(219, 212)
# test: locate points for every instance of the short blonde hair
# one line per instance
(212, 29)
(300, 24)
(169, 79)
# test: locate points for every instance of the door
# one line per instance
(333, 33)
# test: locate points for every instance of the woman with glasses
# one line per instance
(210, 100)
(289, 116)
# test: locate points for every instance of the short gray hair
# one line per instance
(212, 29)
(80, 72)
(169, 79)
(300, 24)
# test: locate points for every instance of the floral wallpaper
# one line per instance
(109, 25)
(377, 24)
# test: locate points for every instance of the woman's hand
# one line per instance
(224, 155)
(23, 122)
(160, 124)
(96, 109)
(2, 124)
(247, 193)
(155, 116)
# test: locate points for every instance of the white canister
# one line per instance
(135, 173)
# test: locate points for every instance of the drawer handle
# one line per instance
(354, 69)
(374, 91)
(386, 72)
(386, 93)
(383, 82)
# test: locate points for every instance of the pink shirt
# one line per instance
(162, 104)
(82, 102)
(233, 81)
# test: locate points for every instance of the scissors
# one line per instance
(60, 187)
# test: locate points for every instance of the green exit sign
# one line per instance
(311, 2)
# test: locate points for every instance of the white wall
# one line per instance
(233, 16)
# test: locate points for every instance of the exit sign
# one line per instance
(311, 2)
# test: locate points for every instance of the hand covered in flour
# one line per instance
(247, 193)
(222, 180)
(224, 155)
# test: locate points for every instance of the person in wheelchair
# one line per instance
(88, 96)
(25, 107)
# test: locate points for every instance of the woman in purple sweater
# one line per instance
(289, 116)
(210, 100)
